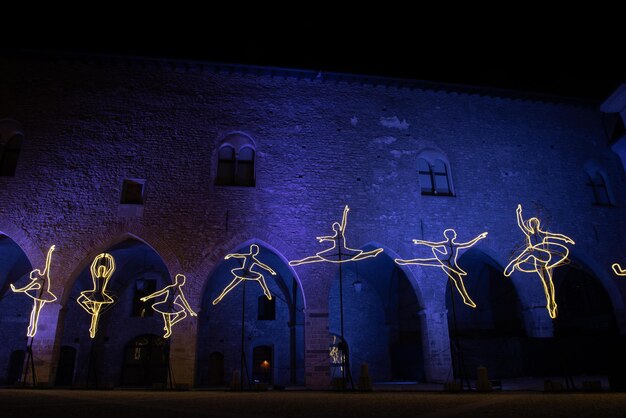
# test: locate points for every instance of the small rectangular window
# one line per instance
(143, 287)
(132, 192)
(267, 309)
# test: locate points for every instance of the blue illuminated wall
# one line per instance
(320, 142)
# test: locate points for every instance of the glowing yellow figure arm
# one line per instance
(472, 242)
(266, 267)
(428, 243)
(184, 300)
(326, 238)
(558, 236)
(520, 221)
(33, 285)
(46, 269)
(157, 293)
(344, 219)
(235, 256)
(618, 269)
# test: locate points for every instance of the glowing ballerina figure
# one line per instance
(93, 301)
(540, 256)
(39, 290)
(339, 252)
(450, 249)
(618, 269)
(245, 272)
(174, 306)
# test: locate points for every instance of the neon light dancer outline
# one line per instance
(618, 269)
(339, 240)
(540, 257)
(38, 290)
(245, 272)
(449, 265)
(93, 300)
(174, 307)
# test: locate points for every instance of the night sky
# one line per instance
(530, 50)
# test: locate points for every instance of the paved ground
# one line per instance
(16, 403)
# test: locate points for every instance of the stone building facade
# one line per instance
(170, 166)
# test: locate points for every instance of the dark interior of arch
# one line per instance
(491, 334)
(585, 330)
(14, 309)
(220, 326)
(101, 361)
(381, 319)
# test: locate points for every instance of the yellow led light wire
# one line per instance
(92, 301)
(174, 306)
(618, 269)
(39, 290)
(339, 249)
(541, 256)
(449, 248)
(245, 272)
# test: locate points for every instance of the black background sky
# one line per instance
(579, 54)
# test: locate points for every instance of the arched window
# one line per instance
(235, 162)
(434, 177)
(599, 189)
(10, 146)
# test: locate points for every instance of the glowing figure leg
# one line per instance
(311, 259)
(227, 289)
(368, 254)
(95, 316)
(34, 317)
(168, 325)
(548, 288)
(457, 279)
(421, 261)
(266, 290)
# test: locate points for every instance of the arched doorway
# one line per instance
(216, 369)
(492, 333)
(262, 363)
(65, 369)
(139, 271)
(585, 329)
(146, 361)
(15, 309)
(381, 319)
(280, 320)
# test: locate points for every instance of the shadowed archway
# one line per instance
(280, 320)
(14, 309)
(139, 272)
(382, 326)
(491, 334)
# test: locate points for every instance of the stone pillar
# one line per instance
(538, 322)
(436, 345)
(317, 361)
(183, 346)
(44, 345)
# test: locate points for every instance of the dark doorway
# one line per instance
(585, 328)
(216, 369)
(492, 333)
(65, 370)
(16, 365)
(262, 364)
(146, 361)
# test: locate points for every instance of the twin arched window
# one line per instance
(434, 177)
(235, 162)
